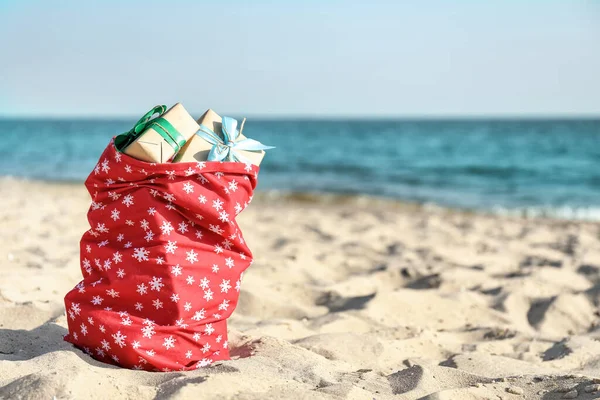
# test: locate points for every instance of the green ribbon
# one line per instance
(159, 124)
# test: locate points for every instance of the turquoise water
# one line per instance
(549, 166)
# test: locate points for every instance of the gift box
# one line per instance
(159, 139)
(219, 139)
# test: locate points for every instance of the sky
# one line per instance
(301, 59)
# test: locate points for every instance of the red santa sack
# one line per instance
(162, 262)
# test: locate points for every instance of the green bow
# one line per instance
(160, 125)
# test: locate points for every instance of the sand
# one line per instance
(347, 299)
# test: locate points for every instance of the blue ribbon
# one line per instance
(227, 147)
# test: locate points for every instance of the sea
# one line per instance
(548, 167)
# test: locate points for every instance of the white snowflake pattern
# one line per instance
(148, 331)
(238, 208)
(75, 308)
(166, 228)
(224, 305)
(156, 283)
(117, 257)
(183, 227)
(203, 363)
(204, 282)
(119, 339)
(149, 236)
(229, 262)
(115, 214)
(188, 188)
(128, 200)
(121, 273)
(105, 166)
(139, 306)
(169, 342)
(170, 197)
(157, 303)
(199, 315)
(97, 300)
(205, 348)
(225, 286)
(202, 199)
(114, 196)
(216, 229)
(192, 256)
(141, 254)
(142, 289)
(174, 297)
(190, 280)
(217, 204)
(223, 216)
(170, 247)
(176, 270)
(187, 306)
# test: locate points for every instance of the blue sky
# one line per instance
(310, 58)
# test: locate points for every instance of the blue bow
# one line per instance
(226, 147)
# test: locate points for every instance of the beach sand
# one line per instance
(347, 299)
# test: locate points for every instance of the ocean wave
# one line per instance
(558, 213)
(561, 212)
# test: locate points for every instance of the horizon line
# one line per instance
(330, 117)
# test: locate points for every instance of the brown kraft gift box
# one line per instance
(151, 146)
(197, 149)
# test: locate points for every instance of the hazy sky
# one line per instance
(308, 58)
